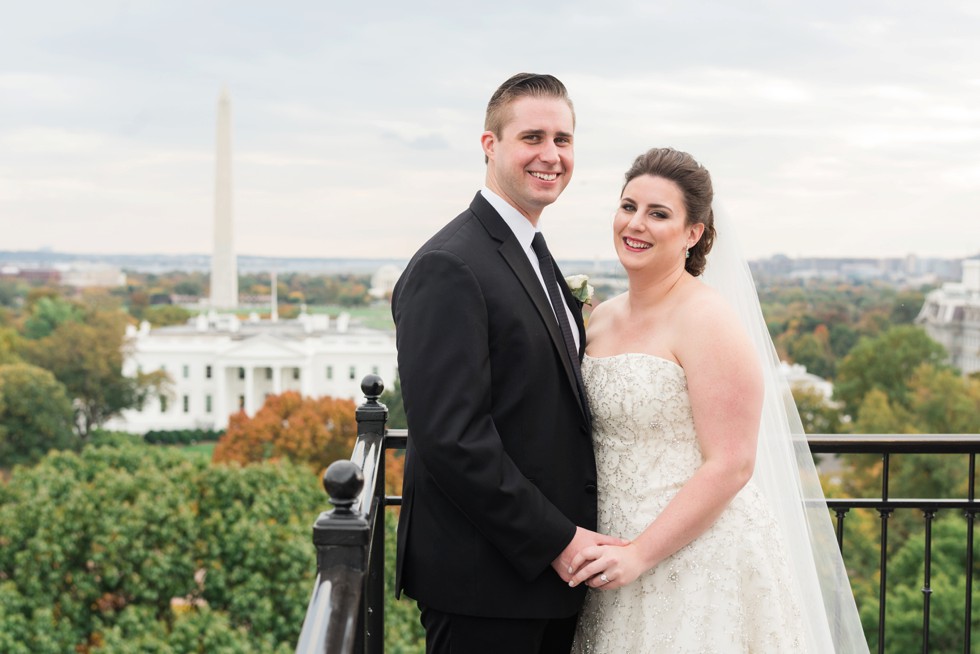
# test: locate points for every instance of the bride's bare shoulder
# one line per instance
(607, 308)
(603, 314)
(706, 313)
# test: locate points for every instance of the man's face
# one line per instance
(530, 162)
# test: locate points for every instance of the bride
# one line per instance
(701, 457)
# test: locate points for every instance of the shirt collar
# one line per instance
(521, 226)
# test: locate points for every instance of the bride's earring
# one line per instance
(687, 253)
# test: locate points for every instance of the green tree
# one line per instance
(35, 415)
(818, 415)
(11, 291)
(47, 313)
(943, 402)
(161, 315)
(392, 398)
(87, 357)
(906, 573)
(813, 351)
(885, 362)
(403, 629)
(879, 415)
(9, 344)
(134, 549)
(906, 307)
(842, 339)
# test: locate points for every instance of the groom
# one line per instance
(500, 480)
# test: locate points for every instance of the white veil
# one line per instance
(784, 469)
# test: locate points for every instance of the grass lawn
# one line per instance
(203, 450)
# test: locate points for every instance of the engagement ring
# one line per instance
(603, 578)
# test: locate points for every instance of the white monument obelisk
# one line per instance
(224, 267)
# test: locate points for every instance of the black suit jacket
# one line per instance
(499, 467)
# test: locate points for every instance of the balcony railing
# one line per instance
(346, 610)
(887, 446)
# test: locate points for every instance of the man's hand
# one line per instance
(583, 538)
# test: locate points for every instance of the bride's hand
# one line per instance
(606, 567)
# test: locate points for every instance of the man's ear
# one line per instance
(489, 142)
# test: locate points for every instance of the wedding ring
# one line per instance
(603, 578)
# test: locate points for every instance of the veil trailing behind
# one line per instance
(785, 471)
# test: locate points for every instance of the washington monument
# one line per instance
(224, 267)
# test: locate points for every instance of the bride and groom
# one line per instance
(644, 487)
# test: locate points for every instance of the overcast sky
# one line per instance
(831, 128)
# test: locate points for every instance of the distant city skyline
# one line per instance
(831, 130)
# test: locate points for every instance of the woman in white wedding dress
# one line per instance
(697, 459)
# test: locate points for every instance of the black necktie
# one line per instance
(554, 293)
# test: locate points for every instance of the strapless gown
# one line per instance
(726, 591)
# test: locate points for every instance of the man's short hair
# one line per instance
(519, 86)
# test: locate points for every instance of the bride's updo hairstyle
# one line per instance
(694, 181)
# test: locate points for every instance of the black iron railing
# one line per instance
(887, 446)
(346, 610)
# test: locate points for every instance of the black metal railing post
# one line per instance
(340, 537)
(929, 515)
(886, 506)
(371, 418)
(970, 515)
(885, 513)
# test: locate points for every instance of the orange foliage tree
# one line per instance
(315, 431)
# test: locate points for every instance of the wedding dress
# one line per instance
(724, 592)
(767, 576)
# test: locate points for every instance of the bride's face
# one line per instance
(650, 226)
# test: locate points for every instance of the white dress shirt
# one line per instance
(524, 231)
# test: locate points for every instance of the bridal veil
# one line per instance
(785, 471)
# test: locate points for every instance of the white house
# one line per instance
(220, 365)
(951, 317)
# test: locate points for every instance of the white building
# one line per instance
(220, 365)
(383, 281)
(798, 378)
(951, 317)
(86, 275)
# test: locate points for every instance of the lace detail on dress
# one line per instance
(721, 593)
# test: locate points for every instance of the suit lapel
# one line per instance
(517, 260)
(573, 304)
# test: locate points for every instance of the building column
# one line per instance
(306, 378)
(220, 402)
(249, 391)
(276, 380)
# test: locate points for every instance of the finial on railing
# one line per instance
(343, 481)
(372, 386)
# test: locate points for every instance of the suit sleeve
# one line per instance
(444, 365)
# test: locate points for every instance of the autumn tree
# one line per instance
(35, 415)
(301, 429)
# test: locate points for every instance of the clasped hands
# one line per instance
(598, 561)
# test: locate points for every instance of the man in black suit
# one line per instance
(500, 481)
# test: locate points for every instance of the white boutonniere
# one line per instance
(581, 288)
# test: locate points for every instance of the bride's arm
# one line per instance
(725, 386)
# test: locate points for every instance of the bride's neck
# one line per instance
(649, 290)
